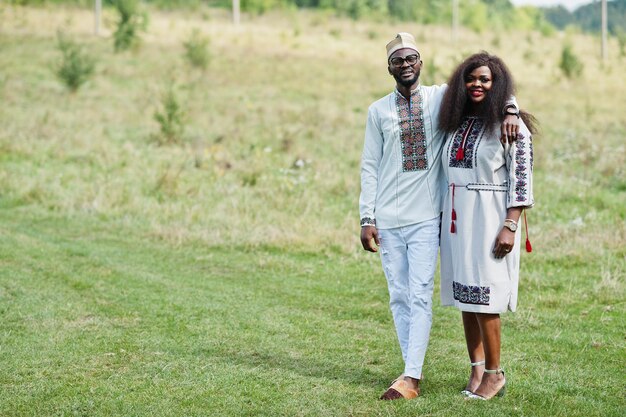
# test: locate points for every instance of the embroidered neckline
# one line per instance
(416, 90)
(464, 143)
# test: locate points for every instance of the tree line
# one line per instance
(588, 17)
(474, 14)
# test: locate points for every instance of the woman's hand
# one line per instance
(504, 243)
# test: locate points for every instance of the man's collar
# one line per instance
(413, 92)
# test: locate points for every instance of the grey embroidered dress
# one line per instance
(485, 178)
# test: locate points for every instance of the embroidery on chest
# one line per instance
(412, 132)
(465, 143)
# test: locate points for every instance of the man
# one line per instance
(402, 185)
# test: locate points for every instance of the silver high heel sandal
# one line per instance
(467, 392)
(500, 393)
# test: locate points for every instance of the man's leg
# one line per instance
(423, 245)
(395, 265)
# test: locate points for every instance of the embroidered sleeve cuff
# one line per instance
(524, 204)
(368, 221)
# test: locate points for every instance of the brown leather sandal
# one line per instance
(399, 389)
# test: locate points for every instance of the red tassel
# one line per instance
(453, 214)
(529, 247)
(460, 154)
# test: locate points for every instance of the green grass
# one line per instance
(221, 276)
(100, 321)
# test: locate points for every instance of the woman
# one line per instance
(490, 183)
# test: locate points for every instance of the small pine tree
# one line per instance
(130, 23)
(570, 64)
(75, 66)
(171, 119)
(196, 50)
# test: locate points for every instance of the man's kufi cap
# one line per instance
(401, 41)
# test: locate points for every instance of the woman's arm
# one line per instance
(506, 238)
(519, 163)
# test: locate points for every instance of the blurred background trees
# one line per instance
(475, 14)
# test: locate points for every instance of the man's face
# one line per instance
(405, 66)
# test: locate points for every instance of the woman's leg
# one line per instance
(474, 349)
(490, 331)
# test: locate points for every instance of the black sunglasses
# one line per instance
(398, 61)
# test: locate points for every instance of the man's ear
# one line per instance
(389, 70)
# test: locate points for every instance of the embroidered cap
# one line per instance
(402, 40)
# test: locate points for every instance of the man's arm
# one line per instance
(370, 162)
(510, 125)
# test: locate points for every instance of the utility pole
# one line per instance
(236, 12)
(604, 34)
(455, 21)
(97, 13)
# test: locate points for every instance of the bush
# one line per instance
(130, 23)
(196, 50)
(570, 64)
(621, 41)
(431, 73)
(171, 119)
(262, 6)
(76, 66)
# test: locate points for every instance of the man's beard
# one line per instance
(410, 82)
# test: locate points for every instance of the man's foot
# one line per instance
(412, 383)
(400, 389)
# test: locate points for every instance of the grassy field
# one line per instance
(223, 276)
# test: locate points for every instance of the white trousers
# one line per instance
(409, 258)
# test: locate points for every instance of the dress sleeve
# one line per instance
(519, 162)
(370, 161)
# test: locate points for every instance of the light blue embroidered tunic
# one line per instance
(402, 181)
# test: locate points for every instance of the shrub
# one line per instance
(196, 50)
(130, 23)
(431, 73)
(570, 64)
(76, 66)
(621, 41)
(262, 6)
(171, 119)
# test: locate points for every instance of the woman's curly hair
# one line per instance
(456, 103)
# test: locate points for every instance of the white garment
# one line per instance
(487, 180)
(402, 182)
(409, 258)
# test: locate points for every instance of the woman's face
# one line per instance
(478, 83)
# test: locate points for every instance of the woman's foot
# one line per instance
(492, 384)
(475, 378)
